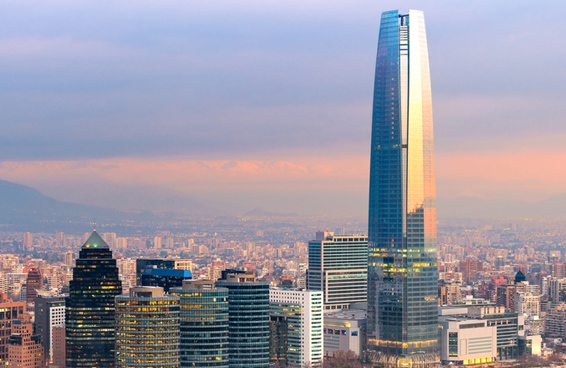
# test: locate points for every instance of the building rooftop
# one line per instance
(95, 241)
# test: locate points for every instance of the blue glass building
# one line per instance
(248, 327)
(204, 324)
(402, 269)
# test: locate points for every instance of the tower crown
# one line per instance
(95, 241)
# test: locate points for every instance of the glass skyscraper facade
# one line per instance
(248, 327)
(402, 263)
(204, 324)
(89, 308)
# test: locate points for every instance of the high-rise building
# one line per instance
(160, 263)
(9, 312)
(147, 329)
(338, 268)
(402, 262)
(25, 349)
(34, 282)
(296, 327)
(164, 277)
(49, 313)
(58, 347)
(89, 310)
(248, 315)
(204, 324)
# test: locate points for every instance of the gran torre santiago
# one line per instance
(402, 272)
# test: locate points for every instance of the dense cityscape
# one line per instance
(403, 287)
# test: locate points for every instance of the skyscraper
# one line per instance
(402, 274)
(147, 329)
(204, 324)
(300, 340)
(89, 309)
(338, 267)
(248, 315)
(49, 313)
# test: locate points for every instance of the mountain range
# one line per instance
(23, 208)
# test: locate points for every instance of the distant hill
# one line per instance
(24, 208)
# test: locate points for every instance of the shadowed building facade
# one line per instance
(89, 308)
(402, 266)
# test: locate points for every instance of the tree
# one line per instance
(343, 359)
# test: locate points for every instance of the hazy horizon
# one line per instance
(268, 104)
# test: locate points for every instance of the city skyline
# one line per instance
(189, 98)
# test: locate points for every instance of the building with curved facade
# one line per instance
(248, 310)
(147, 329)
(204, 324)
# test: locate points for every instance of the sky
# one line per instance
(244, 104)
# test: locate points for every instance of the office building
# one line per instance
(402, 264)
(509, 328)
(344, 330)
(49, 313)
(296, 327)
(204, 324)
(164, 277)
(58, 347)
(9, 312)
(466, 341)
(25, 350)
(159, 263)
(248, 315)
(338, 268)
(34, 282)
(147, 329)
(89, 308)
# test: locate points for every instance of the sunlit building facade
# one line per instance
(402, 266)
(89, 308)
(147, 329)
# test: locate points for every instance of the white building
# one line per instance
(301, 312)
(467, 341)
(344, 331)
(338, 267)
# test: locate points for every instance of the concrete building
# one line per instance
(509, 326)
(49, 313)
(301, 314)
(555, 321)
(25, 350)
(465, 341)
(9, 312)
(344, 330)
(58, 347)
(527, 304)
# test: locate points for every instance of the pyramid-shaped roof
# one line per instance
(95, 241)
